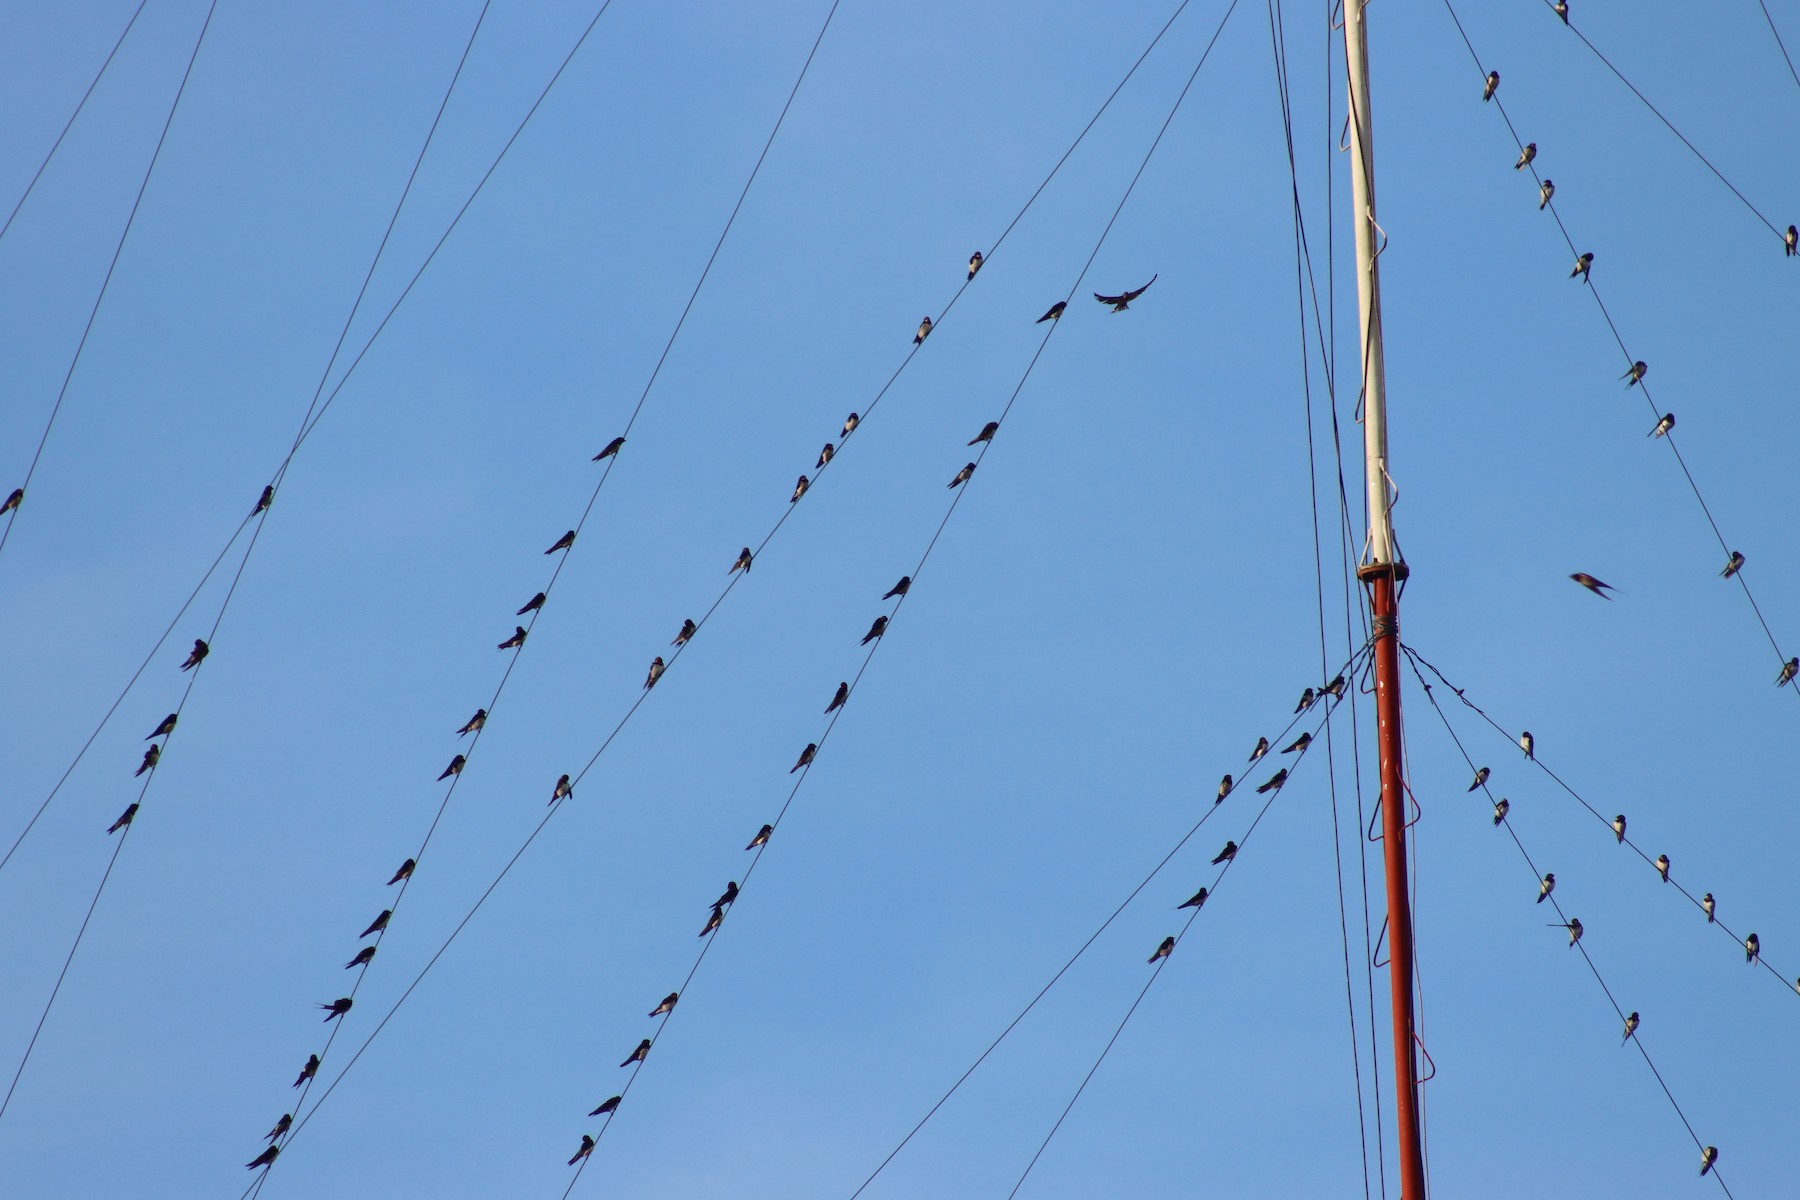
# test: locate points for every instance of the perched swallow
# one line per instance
(1274, 783)
(378, 924)
(197, 655)
(1262, 748)
(587, 1148)
(308, 1071)
(1481, 777)
(475, 722)
(899, 589)
(727, 896)
(18, 494)
(281, 1126)
(606, 1106)
(562, 790)
(875, 630)
(1618, 828)
(1227, 854)
(1224, 790)
(1708, 904)
(150, 759)
(825, 455)
(515, 641)
(974, 263)
(1546, 887)
(639, 1055)
(761, 838)
(657, 667)
(1335, 688)
(1163, 951)
(1631, 1024)
(1306, 700)
(1710, 1155)
(962, 476)
(1575, 930)
(1663, 426)
(563, 542)
(1561, 8)
(1528, 744)
(850, 422)
(455, 768)
(987, 433)
(924, 331)
(837, 700)
(744, 559)
(532, 605)
(713, 922)
(1734, 566)
(362, 959)
(405, 872)
(1056, 310)
(1662, 866)
(1636, 372)
(1790, 240)
(336, 1008)
(1493, 85)
(1300, 743)
(1123, 300)
(263, 501)
(800, 489)
(667, 1005)
(612, 448)
(1591, 584)
(1525, 156)
(1789, 669)
(1503, 807)
(1583, 266)
(124, 819)
(688, 629)
(806, 756)
(1546, 190)
(264, 1159)
(1197, 900)
(1752, 950)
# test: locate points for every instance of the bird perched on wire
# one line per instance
(263, 501)
(18, 494)
(474, 723)
(1163, 951)
(515, 641)
(687, 630)
(1056, 310)
(1546, 190)
(308, 1071)
(1631, 1024)
(607, 1106)
(405, 871)
(1591, 584)
(875, 630)
(1583, 266)
(532, 605)
(850, 423)
(761, 838)
(837, 700)
(1561, 9)
(1528, 744)
(975, 261)
(657, 667)
(1224, 790)
(713, 922)
(806, 756)
(1662, 866)
(1733, 566)
(562, 790)
(1274, 783)
(1493, 85)
(197, 655)
(1635, 374)
(1618, 828)
(1545, 887)
(1789, 669)
(1197, 900)
(264, 1159)
(1262, 748)
(151, 757)
(455, 768)
(281, 1126)
(363, 958)
(1709, 906)
(899, 589)
(612, 448)
(1663, 426)
(924, 331)
(1481, 777)
(667, 1005)
(1525, 156)
(962, 476)
(587, 1148)
(987, 433)
(1227, 854)
(800, 490)
(379, 923)
(1501, 808)
(1300, 744)
(1306, 700)
(639, 1055)
(1123, 300)
(744, 559)
(825, 455)
(124, 818)
(1752, 950)
(1575, 930)
(563, 542)
(727, 896)
(337, 1008)
(1710, 1155)
(1790, 242)
(1335, 688)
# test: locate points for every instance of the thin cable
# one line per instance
(1781, 45)
(12, 515)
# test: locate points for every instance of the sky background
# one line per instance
(1122, 604)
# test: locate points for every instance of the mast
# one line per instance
(1382, 571)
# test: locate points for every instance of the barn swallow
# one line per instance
(515, 641)
(606, 1106)
(728, 895)
(987, 433)
(337, 1008)
(563, 789)
(837, 700)
(974, 263)
(1583, 266)
(612, 448)
(1274, 783)
(18, 494)
(1708, 1156)
(1546, 190)
(197, 655)
(1197, 900)
(124, 819)
(264, 1159)
(1335, 688)
(1528, 744)
(1708, 904)
(899, 589)
(1575, 930)
(875, 630)
(657, 667)
(1493, 85)
(379, 923)
(962, 476)
(924, 331)
(800, 489)
(1163, 951)
(1591, 584)
(563, 542)
(1546, 887)
(1789, 669)
(1790, 241)
(1525, 156)
(1306, 700)
(806, 756)
(1663, 426)
(1227, 854)
(1262, 748)
(850, 423)
(1481, 777)
(1631, 1024)
(1752, 950)
(1734, 566)
(1662, 866)
(639, 1055)
(455, 768)
(743, 562)
(150, 759)
(474, 723)
(688, 629)
(1618, 828)
(713, 922)
(587, 1148)
(1300, 743)
(281, 1126)
(532, 605)
(825, 455)
(1635, 373)
(1561, 8)
(1123, 300)
(667, 1005)
(405, 872)
(362, 959)
(1501, 809)
(1056, 310)
(1224, 790)
(308, 1071)
(761, 838)
(263, 501)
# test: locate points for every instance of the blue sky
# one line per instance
(1121, 605)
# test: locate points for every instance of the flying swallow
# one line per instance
(1561, 8)
(263, 501)
(18, 494)
(1708, 904)
(962, 476)
(899, 589)
(1525, 156)
(1752, 950)
(150, 759)
(308, 1071)
(1575, 931)
(667, 1005)
(639, 1055)
(1583, 266)
(1123, 300)
(587, 1148)
(1528, 744)
(1663, 426)
(875, 630)
(531, 605)
(1300, 743)
(1501, 809)
(987, 433)
(281, 1126)
(1618, 828)
(1636, 372)
(1224, 790)
(761, 838)
(1708, 1157)
(362, 959)
(806, 756)
(612, 448)
(688, 629)
(837, 700)
(744, 559)
(1790, 240)
(1227, 854)
(563, 542)
(800, 489)
(1056, 310)
(405, 872)
(727, 896)
(124, 819)
(563, 789)
(1662, 866)
(1631, 1024)
(1274, 783)
(1789, 669)
(1546, 887)
(1493, 85)
(379, 923)
(515, 641)
(336, 1008)
(1262, 748)
(974, 263)
(924, 331)
(850, 422)
(1163, 951)
(1546, 190)
(1306, 700)
(455, 768)
(1591, 584)
(657, 667)
(1481, 777)
(197, 655)
(475, 722)
(1734, 566)
(1197, 900)
(264, 1159)
(606, 1106)
(713, 922)
(825, 455)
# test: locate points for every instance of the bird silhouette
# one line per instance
(1561, 9)
(825, 455)
(1575, 930)
(837, 700)
(1663, 426)
(1790, 242)
(532, 605)
(563, 542)
(587, 1148)
(197, 655)
(281, 1127)
(1306, 700)
(850, 423)
(1545, 887)
(924, 331)
(639, 1055)
(124, 818)
(899, 589)
(1501, 808)
(1752, 950)
(1056, 310)
(657, 667)
(363, 958)
(761, 838)
(1631, 1024)
(455, 768)
(1224, 790)
(607, 1106)
(1528, 744)
(1662, 866)
(713, 922)
(405, 872)
(743, 562)
(1481, 777)
(308, 1071)
(1262, 748)
(727, 896)
(1546, 190)
(1300, 743)
(1584, 266)
(474, 723)
(562, 789)
(875, 630)
(1710, 1155)
(151, 757)
(1789, 669)
(1274, 783)
(987, 433)
(263, 501)
(515, 641)
(1734, 565)
(667, 1005)
(379, 923)
(1123, 300)
(806, 756)
(1635, 373)
(1493, 85)
(962, 476)
(264, 1159)
(687, 630)
(1227, 854)
(612, 448)
(1163, 951)
(18, 496)
(1197, 900)
(1618, 828)
(799, 490)
(974, 263)
(1525, 156)
(1709, 906)
(1591, 584)
(337, 1008)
